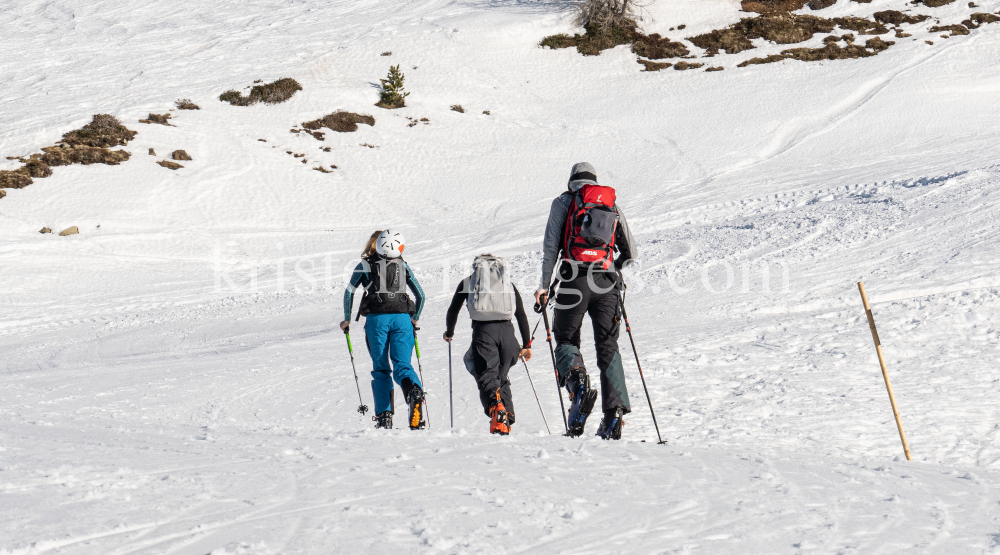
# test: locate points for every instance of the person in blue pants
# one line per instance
(390, 319)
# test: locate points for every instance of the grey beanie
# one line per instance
(582, 174)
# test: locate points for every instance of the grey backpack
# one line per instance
(491, 292)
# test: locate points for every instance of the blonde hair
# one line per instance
(370, 245)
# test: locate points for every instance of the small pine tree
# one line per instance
(392, 95)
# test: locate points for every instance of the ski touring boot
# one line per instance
(416, 401)
(383, 420)
(582, 398)
(611, 426)
(499, 421)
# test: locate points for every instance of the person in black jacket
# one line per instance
(494, 350)
(588, 285)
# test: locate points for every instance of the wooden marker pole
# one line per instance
(885, 373)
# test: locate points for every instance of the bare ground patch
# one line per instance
(162, 119)
(339, 121)
(653, 66)
(268, 93)
(103, 131)
(831, 51)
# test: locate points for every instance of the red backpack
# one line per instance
(590, 226)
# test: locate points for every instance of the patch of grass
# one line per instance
(103, 131)
(653, 66)
(820, 4)
(655, 47)
(596, 38)
(64, 155)
(784, 28)
(556, 42)
(861, 25)
(953, 29)
(934, 3)
(893, 17)
(170, 165)
(180, 155)
(340, 121)
(772, 7)
(162, 119)
(978, 19)
(457, 108)
(386, 53)
(731, 40)
(186, 104)
(268, 93)
(35, 167)
(682, 65)
(717, 68)
(486, 112)
(392, 95)
(829, 52)
(14, 179)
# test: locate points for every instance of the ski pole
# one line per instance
(362, 408)
(420, 369)
(548, 337)
(628, 328)
(451, 394)
(535, 391)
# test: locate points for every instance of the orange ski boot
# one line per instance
(498, 417)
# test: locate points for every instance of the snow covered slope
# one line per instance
(152, 400)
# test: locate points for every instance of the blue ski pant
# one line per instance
(390, 337)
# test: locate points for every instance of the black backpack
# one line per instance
(386, 292)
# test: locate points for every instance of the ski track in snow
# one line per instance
(143, 410)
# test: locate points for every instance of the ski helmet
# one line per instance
(390, 244)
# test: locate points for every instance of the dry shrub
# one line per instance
(14, 179)
(954, 29)
(186, 104)
(682, 65)
(934, 3)
(731, 40)
(653, 66)
(268, 93)
(162, 119)
(717, 68)
(655, 47)
(340, 121)
(457, 108)
(170, 165)
(605, 15)
(893, 17)
(64, 156)
(861, 25)
(772, 7)
(103, 131)
(180, 155)
(2, 192)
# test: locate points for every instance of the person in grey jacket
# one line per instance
(586, 288)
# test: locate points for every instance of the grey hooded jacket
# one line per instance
(553, 241)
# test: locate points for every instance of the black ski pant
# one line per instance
(598, 297)
(494, 350)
